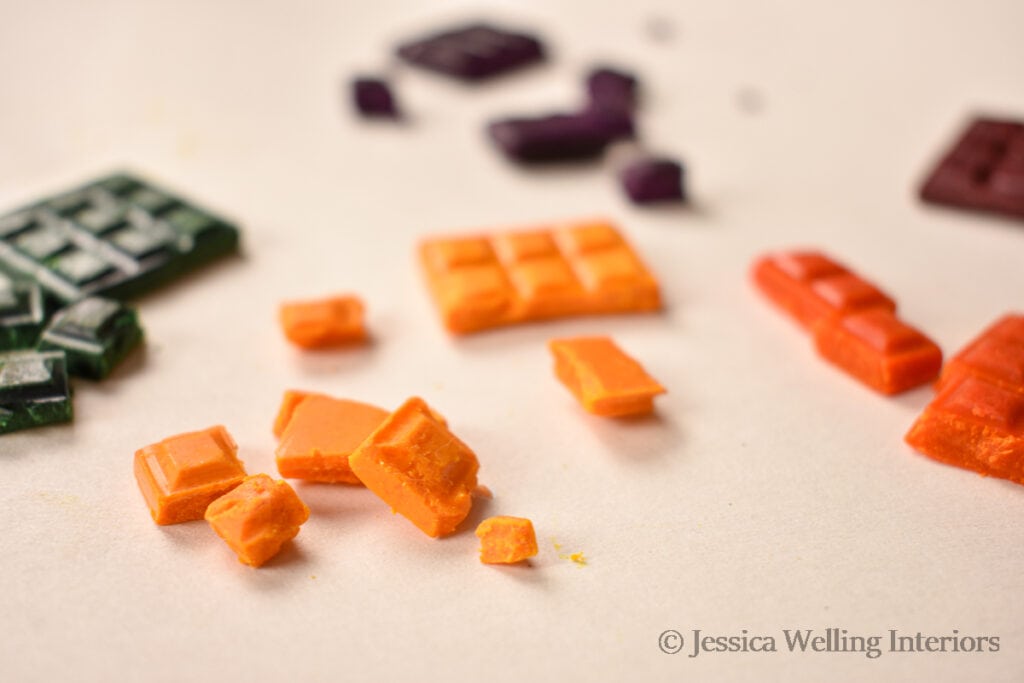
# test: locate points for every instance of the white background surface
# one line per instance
(771, 492)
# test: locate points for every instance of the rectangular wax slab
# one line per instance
(34, 390)
(95, 333)
(117, 236)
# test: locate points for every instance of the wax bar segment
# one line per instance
(257, 517)
(22, 313)
(876, 348)
(419, 468)
(95, 333)
(34, 389)
(473, 53)
(321, 435)
(181, 475)
(997, 354)
(648, 181)
(603, 378)
(323, 323)
(506, 540)
(557, 137)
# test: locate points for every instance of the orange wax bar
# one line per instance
(810, 286)
(419, 468)
(257, 518)
(879, 350)
(505, 540)
(485, 281)
(323, 323)
(183, 474)
(997, 354)
(603, 378)
(321, 435)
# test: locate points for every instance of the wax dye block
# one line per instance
(559, 137)
(612, 88)
(95, 333)
(418, 467)
(257, 517)
(996, 354)
(484, 281)
(319, 436)
(653, 180)
(983, 170)
(604, 379)
(809, 285)
(182, 474)
(473, 53)
(879, 350)
(22, 313)
(373, 98)
(323, 323)
(34, 389)
(506, 540)
(117, 237)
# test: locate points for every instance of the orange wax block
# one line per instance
(257, 518)
(323, 323)
(603, 378)
(183, 474)
(321, 435)
(877, 349)
(485, 281)
(419, 468)
(997, 354)
(505, 540)
(974, 423)
(810, 286)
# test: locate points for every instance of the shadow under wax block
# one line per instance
(95, 333)
(34, 389)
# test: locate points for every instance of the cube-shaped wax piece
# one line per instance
(612, 88)
(418, 467)
(257, 517)
(997, 354)
(473, 53)
(34, 389)
(647, 181)
(321, 434)
(373, 98)
(323, 323)
(603, 378)
(878, 349)
(182, 474)
(22, 313)
(506, 540)
(95, 333)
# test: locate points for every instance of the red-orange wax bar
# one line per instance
(809, 286)
(485, 281)
(997, 354)
(879, 350)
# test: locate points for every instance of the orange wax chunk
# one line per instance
(974, 423)
(419, 468)
(291, 399)
(182, 474)
(257, 518)
(879, 350)
(810, 286)
(505, 540)
(321, 435)
(603, 378)
(997, 354)
(323, 323)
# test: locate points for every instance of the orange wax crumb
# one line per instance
(182, 474)
(257, 518)
(603, 378)
(419, 468)
(321, 435)
(323, 323)
(505, 540)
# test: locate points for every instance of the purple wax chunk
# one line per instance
(612, 89)
(616, 124)
(473, 53)
(372, 97)
(557, 137)
(654, 180)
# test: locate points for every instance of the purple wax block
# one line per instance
(612, 89)
(558, 137)
(473, 53)
(616, 124)
(372, 97)
(654, 180)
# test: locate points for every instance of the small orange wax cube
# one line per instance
(257, 518)
(505, 540)
(419, 468)
(603, 378)
(321, 435)
(183, 474)
(323, 323)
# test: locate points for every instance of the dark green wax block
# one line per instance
(34, 389)
(22, 313)
(117, 236)
(94, 333)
